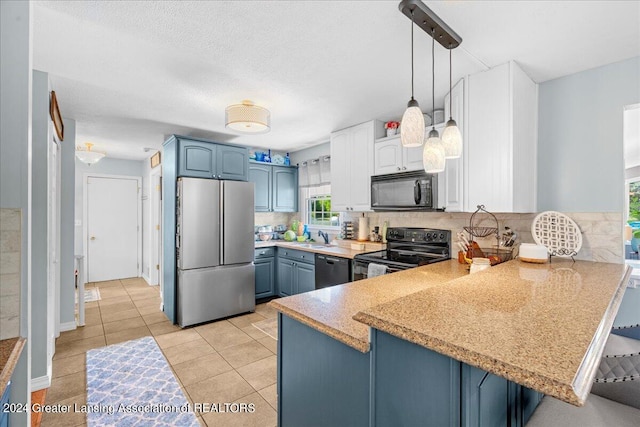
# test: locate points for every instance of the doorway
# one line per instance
(631, 216)
(112, 233)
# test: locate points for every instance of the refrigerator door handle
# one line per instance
(221, 204)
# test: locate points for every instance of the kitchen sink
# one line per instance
(315, 246)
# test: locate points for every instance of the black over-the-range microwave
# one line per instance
(405, 191)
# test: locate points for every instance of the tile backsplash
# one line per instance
(10, 252)
(275, 218)
(601, 232)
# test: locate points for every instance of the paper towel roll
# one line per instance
(363, 229)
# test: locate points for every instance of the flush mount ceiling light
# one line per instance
(87, 156)
(434, 151)
(247, 118)
(412, 124)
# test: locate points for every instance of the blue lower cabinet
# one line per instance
(265, 272)
(4, 416)
(321, 381)
(413, 386)
(486, 399)
(296, 272)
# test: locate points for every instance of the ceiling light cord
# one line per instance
(450, 86)
(433, 80)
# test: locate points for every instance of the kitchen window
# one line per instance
(316, 209)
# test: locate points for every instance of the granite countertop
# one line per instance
(10, 350)
(543, 326)
(320, 248)
(331, 310)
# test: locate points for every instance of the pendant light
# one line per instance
(451, 138)
(433, 153)
(412, 125)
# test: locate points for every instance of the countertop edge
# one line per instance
(331, 250)
(583, 380)
(353, 342)
(9, 367)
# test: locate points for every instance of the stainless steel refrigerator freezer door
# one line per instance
(237, 222)
(198, 229)
(212, 293)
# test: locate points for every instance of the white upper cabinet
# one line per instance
(500, 140)
(352, 163)
(391, 157)
(453, 175)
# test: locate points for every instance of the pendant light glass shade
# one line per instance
(433, 153)
(452, 140)
(412, 126)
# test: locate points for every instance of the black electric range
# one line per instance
(407, 248)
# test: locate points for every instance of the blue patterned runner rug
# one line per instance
(130, 384)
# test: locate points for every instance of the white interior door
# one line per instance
(53, 243)
(112, 228)
(156, 216)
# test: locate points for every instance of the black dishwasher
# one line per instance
(331, 270)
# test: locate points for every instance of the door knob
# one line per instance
(93, 237)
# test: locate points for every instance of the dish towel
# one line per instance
(376, 270)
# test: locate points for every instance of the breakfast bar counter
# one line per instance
(438, 345)
(542, 326)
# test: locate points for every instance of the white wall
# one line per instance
(580, 138)
(15, 166)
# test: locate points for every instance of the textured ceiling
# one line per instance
(131, 73)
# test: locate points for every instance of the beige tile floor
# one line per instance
(224, 361)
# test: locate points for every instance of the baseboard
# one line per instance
(40, 383)
(148, 280)
(67, 326)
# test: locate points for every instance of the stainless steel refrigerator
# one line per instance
(214, 249)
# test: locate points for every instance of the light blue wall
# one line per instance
(314, 152)
(107, 166)
(39, 224)
(15, 145)
(580, 152)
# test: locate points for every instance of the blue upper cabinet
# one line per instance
(260, 175)
(233, 163)
(202, 159)
(276, 187)
(197, 159)
(285, 189)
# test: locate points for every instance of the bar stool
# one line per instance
(614, 398)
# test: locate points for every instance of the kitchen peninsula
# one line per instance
(438, 346)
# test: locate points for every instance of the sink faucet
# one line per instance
(325, 236)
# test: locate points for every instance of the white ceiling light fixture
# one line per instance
(248, 118)
(412, 123)
(433, 155)
(451, 138)
(87, 156)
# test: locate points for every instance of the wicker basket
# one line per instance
(496, 255)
